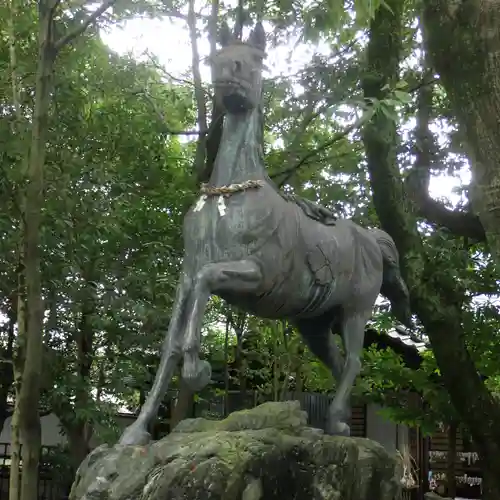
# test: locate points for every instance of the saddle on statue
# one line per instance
(313, 210)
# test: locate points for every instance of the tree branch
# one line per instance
(464, 224)
(162, 118)
(214, 133)
(92, 18)
(335, 138)
(329, 158)
(200, 154)
(183, 81)
(425, 82)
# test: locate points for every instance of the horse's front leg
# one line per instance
(219, 277)
(136, 433)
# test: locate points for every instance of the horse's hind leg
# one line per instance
(317, 334)
(353, 334)
(136, 433)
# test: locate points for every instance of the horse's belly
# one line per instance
(289, 292)
(270, 305)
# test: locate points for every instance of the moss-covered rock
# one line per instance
(434, 496)
(267, 453)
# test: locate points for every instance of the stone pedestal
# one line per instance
(267, 453)
(434, 496)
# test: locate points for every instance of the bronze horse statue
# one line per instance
(248, 244)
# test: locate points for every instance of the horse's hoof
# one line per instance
(338, 428)
(134, 436)
(197, 377)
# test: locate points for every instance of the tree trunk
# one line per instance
(30, 311)
(435, 298)
(15, 457)
(276, 380)
(299, 375)
(7, 368)
(78, 428)
(451, 460)
(226, 368)
(11, 375)
(240, 361)
(15, 440)
(78, 444)
(242, 366)
(29, 393)
(18, 363)
(463, 39)
(184, 405)
(288, 367)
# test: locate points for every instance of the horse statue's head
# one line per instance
(238, 70)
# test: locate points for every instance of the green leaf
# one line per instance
(403, 97)
(388, 111)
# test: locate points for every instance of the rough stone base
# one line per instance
(434, 496)
(267, 453)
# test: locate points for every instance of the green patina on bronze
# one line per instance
(271, 255)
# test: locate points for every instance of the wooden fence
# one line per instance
(467, 469)
(316, 406)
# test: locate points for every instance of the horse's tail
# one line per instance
(393, 286)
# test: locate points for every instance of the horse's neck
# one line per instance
(240, 156)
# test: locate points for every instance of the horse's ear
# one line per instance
(225, 36)
(257, 37)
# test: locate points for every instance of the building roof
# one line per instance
(408, 344)
(416, 341)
